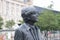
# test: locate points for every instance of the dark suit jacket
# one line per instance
(23, 33)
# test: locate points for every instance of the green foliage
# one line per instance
(48, 20)
(1, 22)
(9, 23)
(58, 18)
(21, 22)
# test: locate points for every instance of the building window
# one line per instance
(12, 8)
(7, 8)
(1, 0)
(17, 8)
(19, 0)
(25, 1)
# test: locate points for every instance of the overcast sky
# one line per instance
(46, 3)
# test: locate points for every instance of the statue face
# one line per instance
(34, 16)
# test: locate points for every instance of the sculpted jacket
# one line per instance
(23, 33)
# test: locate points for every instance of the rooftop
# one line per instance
(40, 9)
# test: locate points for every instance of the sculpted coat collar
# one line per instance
(28, 26)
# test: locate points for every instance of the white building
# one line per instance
(11, 9)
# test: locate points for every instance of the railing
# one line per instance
(7, 34)
(53, 35)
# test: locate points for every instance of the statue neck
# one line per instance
(30, 22)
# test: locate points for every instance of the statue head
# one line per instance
(29, 14)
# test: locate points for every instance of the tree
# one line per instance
(9, 23)
(58, 18)
(1, 22)
(47, 21)
(51, 5)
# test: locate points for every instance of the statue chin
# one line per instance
(34, 20)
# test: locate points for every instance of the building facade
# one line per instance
(11, 9)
